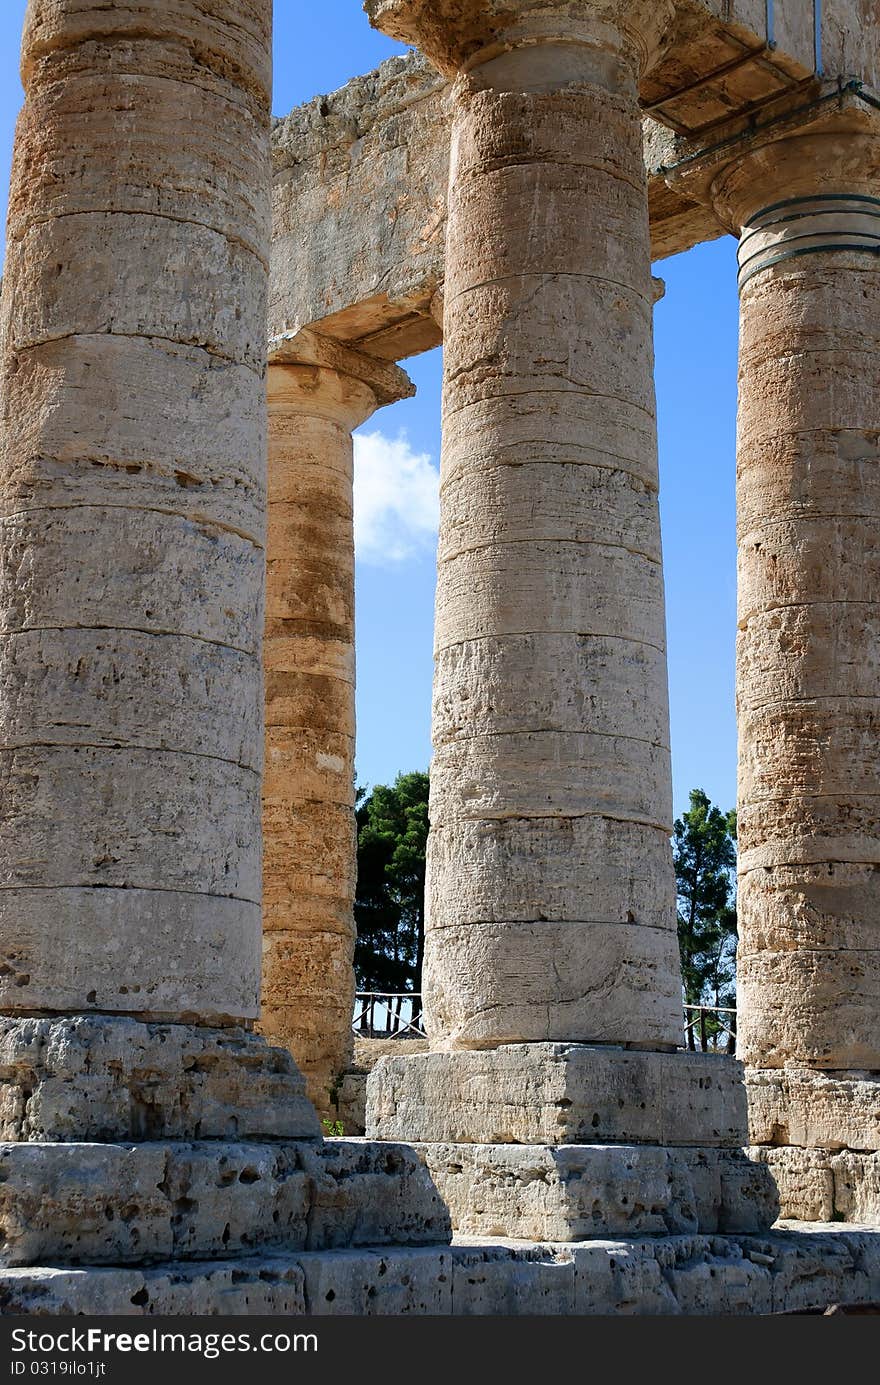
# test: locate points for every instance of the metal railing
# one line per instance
(710, 1028)
(388, 1015)
(398, 1015)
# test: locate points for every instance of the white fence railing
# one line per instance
(398, 1015)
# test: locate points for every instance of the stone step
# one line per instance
(709, 1275)
(573, 1192)
(552, 1093)
(118, 1204)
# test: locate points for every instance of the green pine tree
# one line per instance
(392, 824)
(704, 854)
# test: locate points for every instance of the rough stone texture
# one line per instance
(809, 955)
(550, 526)
(132, 454)
(574, 1192)
(98, 1077)
(823, 1110)
(99, 1204)
(550, 1094)
(783, 1271)
(349, 1102)
(821, 1185)
(309, 858)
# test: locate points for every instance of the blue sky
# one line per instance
(318, 47)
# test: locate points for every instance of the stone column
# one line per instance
(551, 910)
(317, 397)
(803, 199)
(133, 499)
(551, 945)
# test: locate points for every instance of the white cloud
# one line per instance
(396, 499)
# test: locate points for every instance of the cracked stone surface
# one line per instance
(550, 716)
(99, 1077)
(574, 1192)
(93, 1204)
(558, 1094)
(782, 1271)
(824, 1184)
(132, 505)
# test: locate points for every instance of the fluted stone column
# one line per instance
(551, 908)
(133, 509)
(803, 199)
(316, 399)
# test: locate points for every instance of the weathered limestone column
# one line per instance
(803, 198)
(132, 505)
(550, 897)
(316, 399)
(551, 947)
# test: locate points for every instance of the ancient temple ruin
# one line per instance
(178, 655)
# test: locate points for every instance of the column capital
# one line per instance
(805, 182)
(327, 378)
(459, 35)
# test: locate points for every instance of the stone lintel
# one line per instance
(105, 1077)
(781, 1272)
(305, 347)
(575, 1192)
(120, 1204)
(550, 1093)
(814, 1110)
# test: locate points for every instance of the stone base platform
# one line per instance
(824, 1184)
(782, 1272)
(814, 1110)
(116, 1204)
(107, 1077)
(552, 1094)
(573, 1192)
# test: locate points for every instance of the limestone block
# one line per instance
(140, 163)
(827, 828)
(623, 1278)
(574, 1192)
(804, 560)
(560, 774)
(558, 1094)
(315, 849)
(368, 1283)
(521, 427)
(560, 682)
(350, 1103)
(116, 1204)
(817, 746)
(826, 906)
(808, 1007)
(513, 982)
(99, 816)
(162, 954)
(820, 1265)
(308, 765)
(807, 475)
(500, 1279)
(805, 1181)
(238, 41)
(162, 574)
(308, 991)
(132, 274)
(102, 1078)
(816, 650)
(75, 434)
(118, 688)
(506, 589)
(826, 1110)
(555, 501)
(564, 869)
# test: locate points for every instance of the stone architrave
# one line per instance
(550, 909)
(319, 392)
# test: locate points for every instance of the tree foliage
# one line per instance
(392, 827)
(704, 853)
